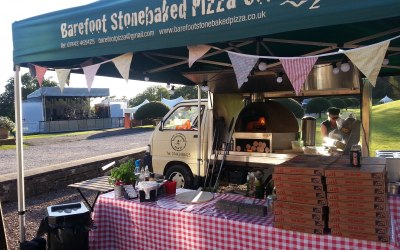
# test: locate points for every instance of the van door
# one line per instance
(177, 138)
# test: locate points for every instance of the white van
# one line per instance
(174, 143)
(229, 124)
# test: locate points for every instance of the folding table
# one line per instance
(99, 184)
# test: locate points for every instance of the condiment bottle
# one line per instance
(251, 184)
(141, 176)
(270, 203)
(355, 156)
(137, 171)
(146, 173)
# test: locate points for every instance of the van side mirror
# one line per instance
(160, 128)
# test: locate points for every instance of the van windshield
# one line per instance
(183, 118)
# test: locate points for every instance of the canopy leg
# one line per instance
(199, 157)
(20, 154)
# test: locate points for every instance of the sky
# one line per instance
(21, 9)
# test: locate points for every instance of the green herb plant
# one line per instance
(123, 174)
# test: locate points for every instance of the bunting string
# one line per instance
(122, 63)
(340, 51)
(368, 59)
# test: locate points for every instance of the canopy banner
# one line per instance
(121, 26)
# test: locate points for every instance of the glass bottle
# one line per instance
(137, 172)
(250, 184)
(141, 176)
(259, 191)
(146, 173)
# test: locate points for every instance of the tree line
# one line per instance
(30, 84)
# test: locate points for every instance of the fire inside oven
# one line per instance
(264, 127)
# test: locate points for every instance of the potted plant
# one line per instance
(124, 174)
(6, 126)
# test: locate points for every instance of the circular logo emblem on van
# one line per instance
(178, 142)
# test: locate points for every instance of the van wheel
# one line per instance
(182, 176)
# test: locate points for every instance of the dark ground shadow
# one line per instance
(36, 211)
(119, 132)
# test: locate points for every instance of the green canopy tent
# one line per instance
(158, 33)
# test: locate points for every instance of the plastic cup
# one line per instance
(170, 187)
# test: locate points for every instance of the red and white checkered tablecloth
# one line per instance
(165, 224)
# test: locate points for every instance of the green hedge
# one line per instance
(151, 110)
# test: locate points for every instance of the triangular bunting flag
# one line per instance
(297, 70)
(90, 72)
(242, 66)
(32, 70)
(62, 75)
(196, 52)
(369, 59)
(123, 64)
(40, 71)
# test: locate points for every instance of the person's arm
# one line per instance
(324, 131)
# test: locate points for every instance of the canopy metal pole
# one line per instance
(199, 133)
(366, 109)
(20, 154)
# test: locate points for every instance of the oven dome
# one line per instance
(277, 118)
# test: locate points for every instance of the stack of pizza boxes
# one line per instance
(301, 197)
(357, 199)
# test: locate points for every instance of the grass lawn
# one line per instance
(385, 127)
(5, 147)
(27, 137)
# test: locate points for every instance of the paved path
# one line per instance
(54, 150)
